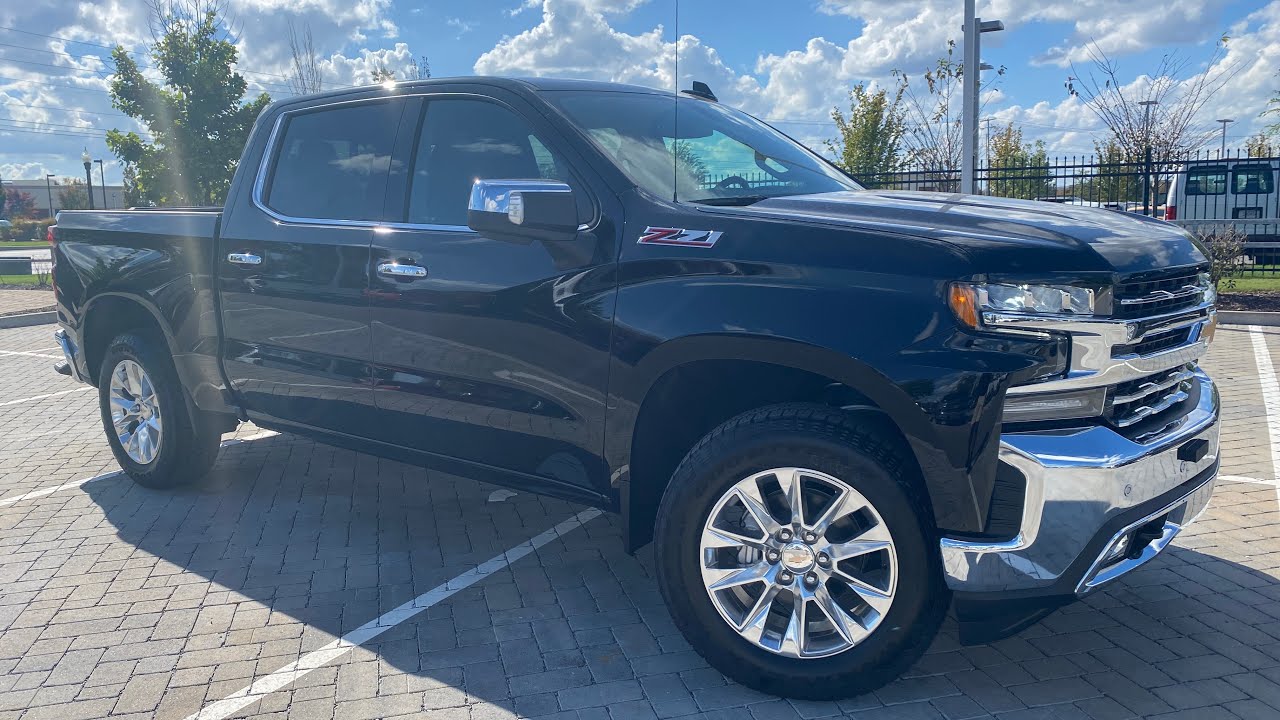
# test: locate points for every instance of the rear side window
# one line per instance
(1252, 179)
(333, 164)
(1207, 180)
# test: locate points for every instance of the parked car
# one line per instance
(837, 412)
(1240, 191)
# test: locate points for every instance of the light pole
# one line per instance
(49, 188)
(974, 26)
(1225, 123)
(88, 176)
(1146, 164)
(102, 175)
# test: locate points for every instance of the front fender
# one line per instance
(956, 452)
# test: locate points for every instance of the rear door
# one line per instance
(497, 354)
(294, 266)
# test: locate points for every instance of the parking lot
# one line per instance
(303, 581)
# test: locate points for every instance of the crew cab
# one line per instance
(836, 412)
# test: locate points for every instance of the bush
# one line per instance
(1225, 244)
(24, 229)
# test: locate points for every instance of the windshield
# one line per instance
(712, 154)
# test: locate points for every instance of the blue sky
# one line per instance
(786, 60)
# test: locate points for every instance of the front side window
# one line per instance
(1207, 180)
(702, 152)
(1252, 180)
(467, 140)
(333, 163)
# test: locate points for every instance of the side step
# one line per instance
(62, 367)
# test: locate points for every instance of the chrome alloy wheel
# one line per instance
(798, 562)
(135, 412)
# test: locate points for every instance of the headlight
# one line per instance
(969, 300)
(1210, 290)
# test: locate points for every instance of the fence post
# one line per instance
(1146, 184)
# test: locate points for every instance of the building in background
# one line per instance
(40, 193)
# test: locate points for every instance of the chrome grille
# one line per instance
(1145, 298)
(1136, 400)
(1153, 343)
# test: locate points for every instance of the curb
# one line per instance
(1249, 317)
(51, 316)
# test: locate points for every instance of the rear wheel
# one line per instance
(794, 552)
(158, 440)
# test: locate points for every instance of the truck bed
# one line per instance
(108, 263)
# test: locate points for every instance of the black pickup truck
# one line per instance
(837, 412)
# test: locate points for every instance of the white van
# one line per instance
(1241, 192)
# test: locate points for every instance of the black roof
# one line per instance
(513, 84)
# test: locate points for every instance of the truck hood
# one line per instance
(1005, 235)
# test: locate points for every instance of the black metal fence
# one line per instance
(1203, 192)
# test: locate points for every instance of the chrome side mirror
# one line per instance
(523, 210)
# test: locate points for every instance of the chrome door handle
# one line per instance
(397, 270)
(244, 259)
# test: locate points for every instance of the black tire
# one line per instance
(852, 448)
(189, 439)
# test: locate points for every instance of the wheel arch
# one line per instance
(107, 315)
(685, 388)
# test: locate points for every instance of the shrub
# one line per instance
(1225, 244)
(24, 229)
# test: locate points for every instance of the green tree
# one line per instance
(870, 141)
(1117, 175)
(72, 194)
(1018, 169)
(1261, 144)
(197, 119)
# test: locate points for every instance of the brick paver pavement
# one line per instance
(17, 302)
(121, 602)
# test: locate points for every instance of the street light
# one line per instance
(49, 188)
(102, 175)
(88, 176)
(973, 28)
(1225, 123)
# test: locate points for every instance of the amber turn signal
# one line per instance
(963, 300)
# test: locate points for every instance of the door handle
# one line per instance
(244, 259)
(396, 270)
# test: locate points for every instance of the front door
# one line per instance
(294, 270)
(491, 352)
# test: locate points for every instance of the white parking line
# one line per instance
(77, 483)
(44, 397)
(316, 659)
(30, 354)
(1270, 398)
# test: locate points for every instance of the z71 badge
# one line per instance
(679, 236)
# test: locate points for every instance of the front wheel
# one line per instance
(158, 440)
(794, 550)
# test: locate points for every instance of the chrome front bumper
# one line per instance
(1086, 489)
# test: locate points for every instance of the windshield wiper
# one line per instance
(735, 201)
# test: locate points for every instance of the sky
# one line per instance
(787, 61)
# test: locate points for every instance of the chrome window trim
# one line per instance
(268, 156)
